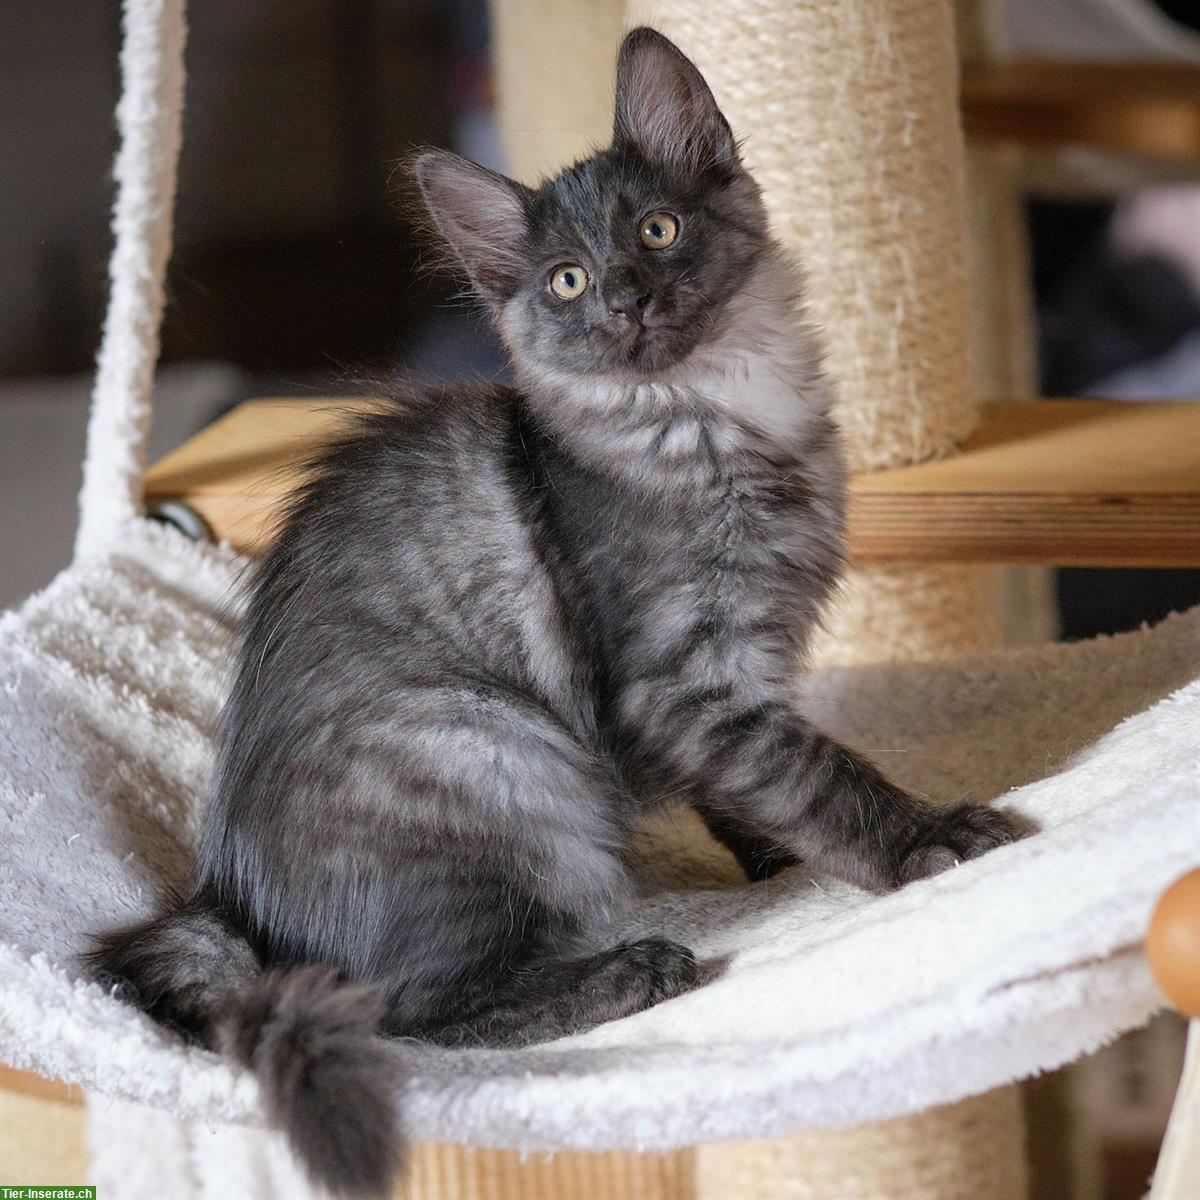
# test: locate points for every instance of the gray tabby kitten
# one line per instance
(500, 626)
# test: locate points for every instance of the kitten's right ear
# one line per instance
(666, 109)
(482, 215)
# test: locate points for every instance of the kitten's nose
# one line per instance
(628, 302)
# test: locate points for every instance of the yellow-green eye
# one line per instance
(568, 281)
(659, 230)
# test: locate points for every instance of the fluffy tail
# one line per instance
(327, 1080)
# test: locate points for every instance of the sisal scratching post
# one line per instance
(955, 1152)
(441, 1171)
(849, 112)
(861, 163)
(850, 115)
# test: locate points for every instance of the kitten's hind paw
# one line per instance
(956, 833)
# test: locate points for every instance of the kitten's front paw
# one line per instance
(662, 967)
(956, 833)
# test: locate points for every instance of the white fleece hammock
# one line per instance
(835, 1007)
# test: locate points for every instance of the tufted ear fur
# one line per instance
(483, 216)
(666, 110)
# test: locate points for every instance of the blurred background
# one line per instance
(297, 272)
(295, 269)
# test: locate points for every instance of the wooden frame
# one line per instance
(1070, 482)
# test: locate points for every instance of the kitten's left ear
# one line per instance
(483, 216)
(665, 108)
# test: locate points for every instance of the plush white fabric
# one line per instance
(835, 1007)
(137, 1152)
(149, 116)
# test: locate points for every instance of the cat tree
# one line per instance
(110, 681)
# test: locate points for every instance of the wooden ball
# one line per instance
(1173, 943)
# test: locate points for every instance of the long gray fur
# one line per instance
(500, 626)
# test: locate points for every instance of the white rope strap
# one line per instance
(148, 117)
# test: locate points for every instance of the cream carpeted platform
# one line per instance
(835, 1007)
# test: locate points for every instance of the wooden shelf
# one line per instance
(1150, 109)
(1070, 482)
(237, 472)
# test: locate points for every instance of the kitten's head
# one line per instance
(628, 260)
